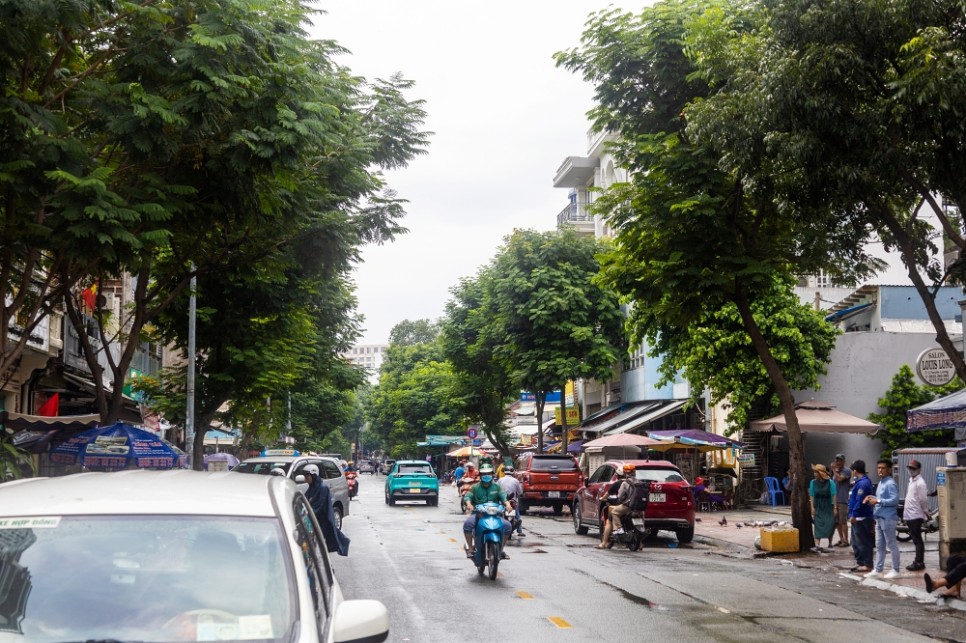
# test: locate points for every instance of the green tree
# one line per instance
(905, 394)
(411, 332)
(484, 387)
(413, 397)
(716, 354)
(862, 104)
(554, 321)
(697, 231)
(217, 134)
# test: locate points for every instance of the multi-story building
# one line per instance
(369, 356)
(635, 379)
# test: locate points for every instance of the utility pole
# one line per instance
(189, 418)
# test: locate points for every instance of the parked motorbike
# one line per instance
(488, 538)
(929, 526)
(352, 480)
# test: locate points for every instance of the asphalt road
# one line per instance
(557, 587)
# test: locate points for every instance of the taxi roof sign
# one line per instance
(275, 452)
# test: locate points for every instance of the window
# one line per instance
(603, 474)
(553, 463)
(659, 475)
(329, 469)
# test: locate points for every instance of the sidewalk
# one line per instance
(740, 537)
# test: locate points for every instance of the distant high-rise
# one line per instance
(368, 355)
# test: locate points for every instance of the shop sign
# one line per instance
(935, 368)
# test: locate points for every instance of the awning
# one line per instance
(947, 412)
(440, 440)
(817, 417)
(666, 408)
(620, 418)
(18, 421)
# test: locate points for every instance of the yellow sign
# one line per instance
(573, 416)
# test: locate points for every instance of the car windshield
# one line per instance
(659, 475)
(263, 467)
(144, 578)
(562, 463)
(415, 469)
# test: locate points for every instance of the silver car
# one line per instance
(170, 556)
(293, 464)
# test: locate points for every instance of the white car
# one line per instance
(293, 464)
(170, 556)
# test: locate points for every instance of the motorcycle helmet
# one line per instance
(312, 468)
(508, 469)
(628, 468)
(277, 471)
(486, 468)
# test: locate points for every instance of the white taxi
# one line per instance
(170, 556)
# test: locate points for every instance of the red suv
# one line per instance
(670, 504)
(548, 480)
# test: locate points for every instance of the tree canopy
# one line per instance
(696, 233)
(145, 138)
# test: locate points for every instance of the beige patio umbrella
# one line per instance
(466, 452)
(817, 417)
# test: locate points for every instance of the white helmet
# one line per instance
(312, 468)
(277, 471)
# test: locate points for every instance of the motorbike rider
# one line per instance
(622, 490)
(514, 490)
(482, 492)
(320, 499)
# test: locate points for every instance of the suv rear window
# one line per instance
(553, 463)
(658, 475)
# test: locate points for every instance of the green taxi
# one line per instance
(412, 480)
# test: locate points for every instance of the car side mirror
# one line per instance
(299, 479)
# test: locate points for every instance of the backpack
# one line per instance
(637, 500)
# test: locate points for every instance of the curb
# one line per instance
(920, 595)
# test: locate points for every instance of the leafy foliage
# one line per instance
(905, 394)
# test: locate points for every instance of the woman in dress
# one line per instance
(821, 495)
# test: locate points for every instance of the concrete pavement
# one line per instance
(732, 530)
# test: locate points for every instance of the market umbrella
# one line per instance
(947, 412)
(117, 447)
(466, 452)
(696, 438)
(622, 440)
(227, 458)
(817, 417)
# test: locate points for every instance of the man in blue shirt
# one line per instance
(860, 517)
(885, 510)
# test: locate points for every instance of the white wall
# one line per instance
(860, 372)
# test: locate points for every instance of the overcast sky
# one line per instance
(504, 118)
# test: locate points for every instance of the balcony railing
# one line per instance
(575, 213)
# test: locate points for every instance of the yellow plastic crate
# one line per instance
(779, 539)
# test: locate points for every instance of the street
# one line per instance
(557, 587)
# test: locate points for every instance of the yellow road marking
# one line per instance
(524, 595)
(452, 540)
(559, 622)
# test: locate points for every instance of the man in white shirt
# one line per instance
(915, 512)
(513, 489)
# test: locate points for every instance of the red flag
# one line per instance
(50, 408)
(90, 297)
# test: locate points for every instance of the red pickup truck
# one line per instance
(548, 481)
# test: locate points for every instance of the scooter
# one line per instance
(929, 526)
(352, 480)
(488, 538)
(635, 532)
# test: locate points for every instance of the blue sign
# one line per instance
(552, 397)
(940, 478)
(477, 443)
(471, 432)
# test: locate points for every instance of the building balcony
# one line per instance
(575, 171)
(578, 216)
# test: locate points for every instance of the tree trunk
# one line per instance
(801, 512)
(541, 399)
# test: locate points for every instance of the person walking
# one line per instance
(842, 477)
(860, 518)
(915, 512)
(821, 497)
(885, 504)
